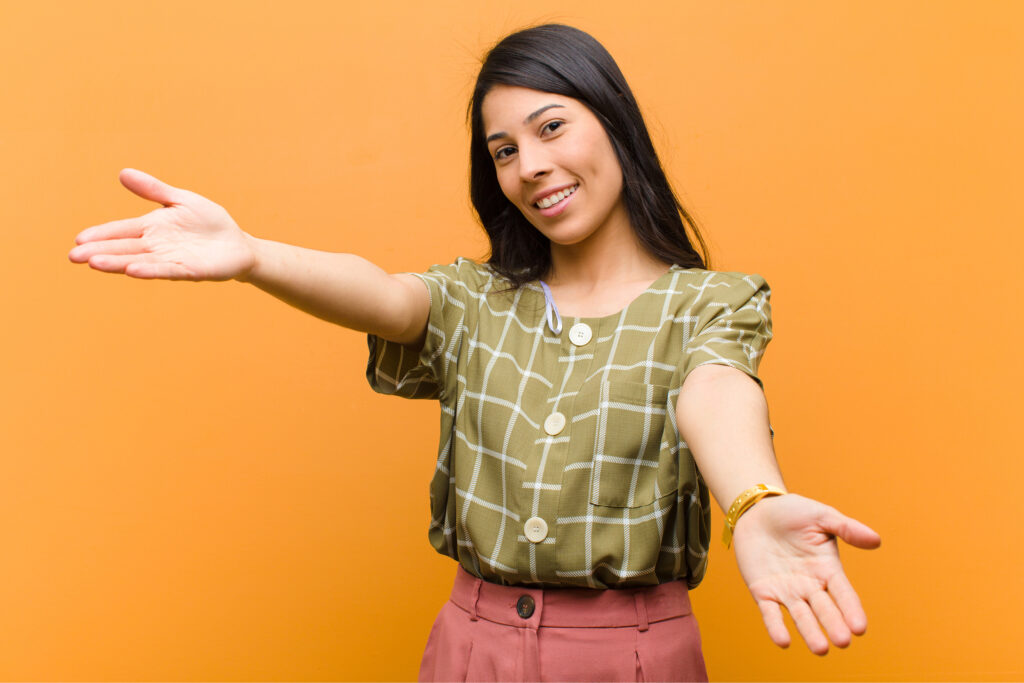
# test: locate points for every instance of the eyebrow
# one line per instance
(531, 117)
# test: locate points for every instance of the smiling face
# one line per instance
(555, 163)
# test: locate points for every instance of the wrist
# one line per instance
(257, 256)
(743, 503)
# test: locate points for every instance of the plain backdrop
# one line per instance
(196, 482)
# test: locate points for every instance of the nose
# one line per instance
(533, 161)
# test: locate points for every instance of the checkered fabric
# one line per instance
(617, 491)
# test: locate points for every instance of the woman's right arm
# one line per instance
(192, 238)
(342, 288)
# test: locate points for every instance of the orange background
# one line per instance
(196, 482)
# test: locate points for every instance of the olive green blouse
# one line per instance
(560, 463)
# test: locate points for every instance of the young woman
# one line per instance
(595, 380)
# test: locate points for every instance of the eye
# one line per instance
(552, 126)
(503, 152)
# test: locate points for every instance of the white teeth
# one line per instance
(553, 199)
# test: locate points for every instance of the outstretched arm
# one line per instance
(785, 546)
(192, 238)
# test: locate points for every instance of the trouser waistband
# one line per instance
(569, 607)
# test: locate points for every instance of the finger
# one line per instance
(148, 187)
(828, 615)
(84, 252)
(110, 264)
(128, 227)
(850, 530)
(142, 266)
(152, 271)
(845, 597)
(807, 626)
(771, 613)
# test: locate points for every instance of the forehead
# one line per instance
(506, 106)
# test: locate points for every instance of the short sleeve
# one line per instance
(393, 368)
(735, 324)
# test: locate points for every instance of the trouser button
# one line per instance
(525, 606)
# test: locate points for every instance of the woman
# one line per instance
(595, 382)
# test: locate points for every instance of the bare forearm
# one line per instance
(723, 417)
(344, 289)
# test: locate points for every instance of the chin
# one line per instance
(569, 238)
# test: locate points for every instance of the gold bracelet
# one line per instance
(744, 502)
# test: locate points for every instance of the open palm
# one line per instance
(787, 554)
(188, 238)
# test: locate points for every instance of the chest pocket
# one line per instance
(630, 468)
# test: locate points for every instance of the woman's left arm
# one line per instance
(785, 546)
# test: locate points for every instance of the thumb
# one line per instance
(850, 530)
(148, 187)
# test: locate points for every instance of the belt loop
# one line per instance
(640, 598)
(473, 599)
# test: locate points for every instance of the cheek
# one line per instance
(602, 161)
(611, 163)
(508, 184)
(613, 171)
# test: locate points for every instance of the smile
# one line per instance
(552, 199)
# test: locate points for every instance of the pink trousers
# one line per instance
(489, 632)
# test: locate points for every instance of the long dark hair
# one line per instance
(566, 61)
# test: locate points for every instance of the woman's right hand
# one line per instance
(188, 238)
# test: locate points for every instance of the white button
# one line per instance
(580, 334)
(536, 529)
(554, 423)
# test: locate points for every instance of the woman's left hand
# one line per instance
(786, 552)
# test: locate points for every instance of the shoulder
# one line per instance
(699, 285)
(704, 295)
(464, 275)
(464, 283)
(731, 279)
(477, 276)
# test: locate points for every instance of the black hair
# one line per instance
(566, 61)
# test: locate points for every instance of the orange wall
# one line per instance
(196, 483)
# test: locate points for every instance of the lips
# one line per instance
(549, 199)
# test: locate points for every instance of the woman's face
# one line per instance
(555, 163)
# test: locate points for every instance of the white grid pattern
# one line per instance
(617, 486)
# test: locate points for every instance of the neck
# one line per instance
(605, 258)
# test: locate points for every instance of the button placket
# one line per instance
(575, 360)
